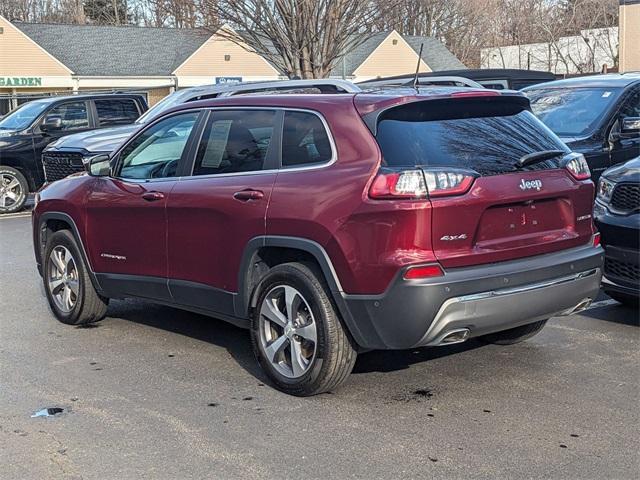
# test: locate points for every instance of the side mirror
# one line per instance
(51, 123)
(98, 166)
(630, 127)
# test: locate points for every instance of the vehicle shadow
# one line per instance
(393, 360)
(237, 341)
(199, 327)
(614, 313)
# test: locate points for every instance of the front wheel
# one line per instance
(13, 190)
(514, 335)
(296, 333)
(71, 295)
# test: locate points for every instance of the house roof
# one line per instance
(434, 54)
(98, 50)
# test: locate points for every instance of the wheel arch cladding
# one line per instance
(255, 263)
(60, 220)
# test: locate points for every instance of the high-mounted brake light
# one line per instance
(577, 166)
(423, 271)
(416, 184)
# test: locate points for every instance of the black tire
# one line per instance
(626, 300)
(514, 335)
(89, 307)
(11, 176)
(334, 354)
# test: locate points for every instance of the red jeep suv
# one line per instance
(331, 224)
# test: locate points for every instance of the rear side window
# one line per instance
(120, 111)
(485, 135)
(304, 140)
(234, 141)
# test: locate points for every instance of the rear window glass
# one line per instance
(485, 135)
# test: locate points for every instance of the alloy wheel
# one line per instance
(288, 332)
(62, 279)
(10, 190)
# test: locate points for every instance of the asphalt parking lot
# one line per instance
(153, 392)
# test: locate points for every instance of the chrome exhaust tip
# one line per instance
(581, 306)
(455, 336)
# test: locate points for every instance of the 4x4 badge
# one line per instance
(530, 184)
(449, 238)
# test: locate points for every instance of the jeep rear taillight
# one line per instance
(417, 183)
(577, 166)
(407, 184)
(445, 183)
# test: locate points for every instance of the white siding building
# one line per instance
(585, 53)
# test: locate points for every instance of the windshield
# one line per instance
(170, 101)
(571, 112)
(23, 116)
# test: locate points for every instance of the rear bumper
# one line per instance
(476, 300)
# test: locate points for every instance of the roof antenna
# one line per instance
(415, 79)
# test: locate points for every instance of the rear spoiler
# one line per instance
(371, 119)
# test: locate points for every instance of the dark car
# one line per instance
(598, 116)
(617, 215)
(331, 224)
(67, 155)
(492, 78)
(25, 132)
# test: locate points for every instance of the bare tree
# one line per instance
(302, 38)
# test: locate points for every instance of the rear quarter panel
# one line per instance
(367, 241)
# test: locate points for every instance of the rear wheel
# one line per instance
(297, 336)
(69, 290)
(514, 335)
(13, 190)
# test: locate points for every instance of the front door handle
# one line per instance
(153, 196)
(246, 195)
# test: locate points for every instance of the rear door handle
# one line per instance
(153, 196)
(246, 195)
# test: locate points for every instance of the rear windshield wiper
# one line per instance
(537, 157)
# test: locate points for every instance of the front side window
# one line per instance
(121, 111)
(304, 140)
(73, 115)
(155, 153)
(235, 141)
(631, 107)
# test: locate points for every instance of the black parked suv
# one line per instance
(617, 215)
(25, 132)
(67, 155)
(598, 116)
